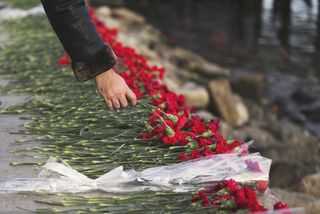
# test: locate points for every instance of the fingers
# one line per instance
(132, 97)
(109, 104)
(115, 102)
(123, 101)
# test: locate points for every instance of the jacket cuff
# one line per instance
(104, 60)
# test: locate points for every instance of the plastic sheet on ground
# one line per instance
(59, 177)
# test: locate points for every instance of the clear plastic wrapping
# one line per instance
(59, 177)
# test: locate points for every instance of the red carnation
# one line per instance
(262, 186)
(231, 185)
(198, 126)
(195, 154)
(64, 59)
(207, 152)
(241, 198)
(183, 157)
(279, 205)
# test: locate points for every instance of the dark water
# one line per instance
(233, 32)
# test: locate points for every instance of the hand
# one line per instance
(114, 90)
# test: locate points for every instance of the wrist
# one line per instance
(105, 74)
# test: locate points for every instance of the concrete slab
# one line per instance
(14, 203)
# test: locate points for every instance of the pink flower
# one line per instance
(253, 165)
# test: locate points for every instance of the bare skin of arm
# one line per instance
(114, 90)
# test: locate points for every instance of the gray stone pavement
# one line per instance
(13, 203)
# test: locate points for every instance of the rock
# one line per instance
(292, 133)
(257, 112)
(242, 110)
(287, 174)
(303, 96)
(148, 53)
(311, 184)
(262, 138)
(312, 111)
(306, 156)
(205, 115)
(103, 11)
(196, 96)
(313, 207)
(171, 83)
(313, 128)
(194, 63)
(128, 15)
(289, 109)
(296, 199)
(228, 106)
(251, 86)
(287, 145)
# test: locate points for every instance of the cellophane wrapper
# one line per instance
(58, 177)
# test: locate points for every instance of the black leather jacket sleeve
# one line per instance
(71, 21)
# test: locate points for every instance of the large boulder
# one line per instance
(243, 113)
(311, 184)
(196, 96)
(226, 104)
(287, 173)
(251, 86)
(194, 63)
(103, 11)
(128, 15)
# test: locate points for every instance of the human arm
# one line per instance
(91, 58)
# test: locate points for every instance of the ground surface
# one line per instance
(15, 203)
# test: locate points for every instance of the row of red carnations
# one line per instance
(173, 121)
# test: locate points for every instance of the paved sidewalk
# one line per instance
(13, 203)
